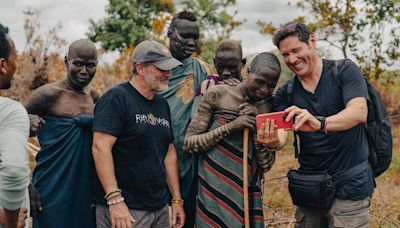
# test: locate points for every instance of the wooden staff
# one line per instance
(246, 177)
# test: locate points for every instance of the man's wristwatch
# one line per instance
(323, 123)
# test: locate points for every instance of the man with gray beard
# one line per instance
(132, 147)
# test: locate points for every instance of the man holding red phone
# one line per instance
(329, 123)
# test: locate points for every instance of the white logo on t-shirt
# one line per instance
(151, 120)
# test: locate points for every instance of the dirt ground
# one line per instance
(278, 207)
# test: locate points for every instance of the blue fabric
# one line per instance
(63, 174)
(181, 93)
(182, 89)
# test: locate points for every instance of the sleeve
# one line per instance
(352, 81)
(109, 114)
(279, 100)
(14, 158)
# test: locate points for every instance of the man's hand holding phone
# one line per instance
(268, 125)
(279, 120)
(304, 121)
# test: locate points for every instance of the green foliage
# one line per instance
(40, 61)
(213, 16)
(131, 21)
(128, 23)
(215, 23)
(343, 25)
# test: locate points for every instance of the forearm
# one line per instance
(2, 217)
(171, 167)
(195, 143)
(105, 168)
(11, 218)
(356, 112)
(265, 157)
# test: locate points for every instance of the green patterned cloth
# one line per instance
(183, 86)
(220, 190)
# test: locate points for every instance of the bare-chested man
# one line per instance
(217, 133)
(63, 174)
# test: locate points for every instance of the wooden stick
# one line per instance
(246, 177)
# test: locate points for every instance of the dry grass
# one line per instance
(385, 208)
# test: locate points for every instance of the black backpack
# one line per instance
(377, 127)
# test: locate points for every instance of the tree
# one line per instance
(343, 24)
(40, 62)
(128, 23)
(131, 21)
(216, 23)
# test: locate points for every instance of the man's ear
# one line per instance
(311, 41)
(3, 66)
(244, 61)
(139, 68)
(169, 33)
(66, 61)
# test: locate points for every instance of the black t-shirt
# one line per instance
(335, 151)
(143, 131)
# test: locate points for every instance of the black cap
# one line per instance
(150, 51)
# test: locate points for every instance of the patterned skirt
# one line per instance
(220, 193)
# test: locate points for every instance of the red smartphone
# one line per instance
(279, 118)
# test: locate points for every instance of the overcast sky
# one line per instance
(75, 14)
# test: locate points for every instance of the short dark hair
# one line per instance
(183, 15)
(230, 45)
(292, 29)
(4, 44)
(265, 59)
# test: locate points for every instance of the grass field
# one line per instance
(385, 208)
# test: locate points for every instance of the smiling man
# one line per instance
(63, 174)
(329, 100)
(183, 85)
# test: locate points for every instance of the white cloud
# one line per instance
(74, 15)
(277, 12)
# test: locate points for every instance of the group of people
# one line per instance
(166, 147)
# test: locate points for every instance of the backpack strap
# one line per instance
(289, 97)
(336, 72)
(289, 90)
